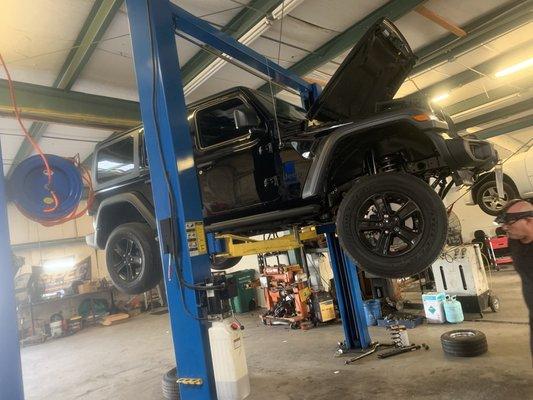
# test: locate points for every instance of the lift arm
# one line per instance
(204, 32)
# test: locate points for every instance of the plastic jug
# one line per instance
(453, 310)
(229, 361)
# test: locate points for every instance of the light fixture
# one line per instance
(440, 97)
(514, 68)
(252, 34)
(485, 105)
(58, 264)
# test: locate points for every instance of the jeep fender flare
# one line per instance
(318, 172)
(143, 207)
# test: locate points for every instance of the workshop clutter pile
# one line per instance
(62, 304)
(291, 301)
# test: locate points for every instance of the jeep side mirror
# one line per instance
(245, 119)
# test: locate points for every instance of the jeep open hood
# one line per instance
(372, 72)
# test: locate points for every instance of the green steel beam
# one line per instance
(494, 115)
(479, 31)
(470, 75)
(237, 27)
(346, 40)
(506, 127)
(47, 104)
(100, 16)
(489, 96)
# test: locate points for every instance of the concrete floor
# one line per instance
(126, 361)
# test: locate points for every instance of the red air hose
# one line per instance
(48, 171)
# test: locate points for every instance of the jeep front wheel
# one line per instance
(132, 258)
(393, 225)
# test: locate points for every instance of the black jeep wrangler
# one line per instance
(377, 166)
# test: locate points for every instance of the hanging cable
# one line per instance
(30, 139)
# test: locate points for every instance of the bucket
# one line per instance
(453, 310)
(372, 311)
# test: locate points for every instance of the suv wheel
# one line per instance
(132, 258)
(488, 199)
(393, 224)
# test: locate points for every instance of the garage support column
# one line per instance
(10, 368)
(176, 193)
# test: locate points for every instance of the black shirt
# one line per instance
(523, 263)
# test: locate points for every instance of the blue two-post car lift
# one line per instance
(178, 207)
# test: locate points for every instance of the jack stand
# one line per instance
(348, 293)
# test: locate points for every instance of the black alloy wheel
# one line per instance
(389, 224)
(392, 225)
(127, 259)
(132, 258)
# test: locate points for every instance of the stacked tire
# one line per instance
(464, 343)
(169, 385)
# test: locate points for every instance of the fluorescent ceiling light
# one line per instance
(440, 97)
(58, 265)
(257, 30)
(515, 68)
(485, 105)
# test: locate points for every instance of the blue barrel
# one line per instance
(372, 311)
(453, 310)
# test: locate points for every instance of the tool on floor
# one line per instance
(399, 335)
(374, 347)
(400, 350)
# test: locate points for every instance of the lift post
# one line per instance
(153, 25)
(348, 291)
(175, 190)
(10, 367)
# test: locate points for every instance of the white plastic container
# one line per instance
(56, 328)
(434, 308)
(229, 361)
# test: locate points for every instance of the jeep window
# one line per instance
(115, 160)
(285, 111)
(216, 124)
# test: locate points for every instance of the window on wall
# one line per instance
(216, 124)
(115, 160)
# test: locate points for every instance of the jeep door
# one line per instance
(235, 169)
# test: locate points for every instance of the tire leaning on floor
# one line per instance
(464, 343)
(169, 385)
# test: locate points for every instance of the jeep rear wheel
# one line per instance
(393, 225)
(132, 258)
